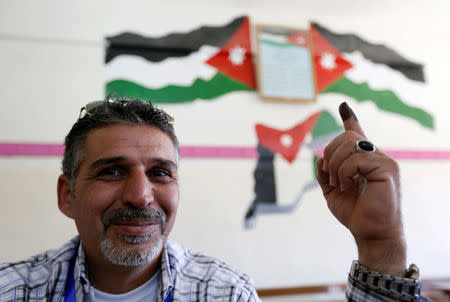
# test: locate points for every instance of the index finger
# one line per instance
(349, 119)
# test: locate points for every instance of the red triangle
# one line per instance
(273, 138)
(242, 69)
(328, 61)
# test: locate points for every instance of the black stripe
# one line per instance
(198, 291)
(376, 53)
(207, 287)
(172, 45)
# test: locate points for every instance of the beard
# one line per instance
(131, 254)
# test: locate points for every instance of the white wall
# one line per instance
(51, 60)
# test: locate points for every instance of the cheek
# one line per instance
(167, 199)
(95, 200)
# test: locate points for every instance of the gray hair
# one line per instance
(111, 112)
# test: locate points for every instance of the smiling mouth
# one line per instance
(137, 226)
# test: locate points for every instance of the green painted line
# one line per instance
(325, 124)
(200, 89)
(314, 161)
(385, 100)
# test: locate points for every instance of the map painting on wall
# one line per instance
(211, 61)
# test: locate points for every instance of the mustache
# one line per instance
(129, 213)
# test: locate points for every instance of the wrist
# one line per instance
(387, 256)
(399, 288)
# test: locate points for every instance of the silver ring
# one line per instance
(364, 146)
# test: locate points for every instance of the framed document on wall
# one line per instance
(285, 69)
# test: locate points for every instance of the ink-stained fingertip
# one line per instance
(346, 112)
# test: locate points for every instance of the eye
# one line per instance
(110, 173)
(159, 174)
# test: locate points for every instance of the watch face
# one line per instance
(413, 272)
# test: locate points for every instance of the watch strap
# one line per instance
(405, 289)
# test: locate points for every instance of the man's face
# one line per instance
(126, 193)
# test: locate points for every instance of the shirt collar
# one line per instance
(81, 272)
(166, 273)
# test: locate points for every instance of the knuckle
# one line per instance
(394, 164)
(355, 135)
(395, 168)
(328, 151)
(350, 144)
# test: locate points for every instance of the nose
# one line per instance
(138, 190)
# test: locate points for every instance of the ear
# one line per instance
(65, 196)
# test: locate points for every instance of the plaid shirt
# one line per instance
(186, 274)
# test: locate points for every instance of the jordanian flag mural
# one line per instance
(211, 61)
(202, 64)
(348, 65)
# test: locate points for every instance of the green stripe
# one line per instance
(200, 89)
(325, 124)
(314, 161)
(384, 99)
(279, 44)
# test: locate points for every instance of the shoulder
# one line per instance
(196, 267)
(37, 270)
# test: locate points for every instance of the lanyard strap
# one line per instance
(169, 296)
(69, 289)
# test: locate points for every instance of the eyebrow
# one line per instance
(110, 160)
(165, 162)
(105, 161)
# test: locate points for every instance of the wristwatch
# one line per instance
(405, 289)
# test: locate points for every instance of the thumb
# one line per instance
(349, 119)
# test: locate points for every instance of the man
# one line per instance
(120, 185)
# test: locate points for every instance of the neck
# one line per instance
(118, 279)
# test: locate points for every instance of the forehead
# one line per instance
(128, 141)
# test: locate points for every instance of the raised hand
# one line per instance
(362, 191)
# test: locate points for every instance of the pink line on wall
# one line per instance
(49, 150)
(31, 149)
(419, 155)
(218, 152)
(411, 154)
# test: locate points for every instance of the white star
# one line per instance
(286, 140)
(237, 55)
(328, 61)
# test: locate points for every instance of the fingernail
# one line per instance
(333, 182)
(346, 112)
(325, 165)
